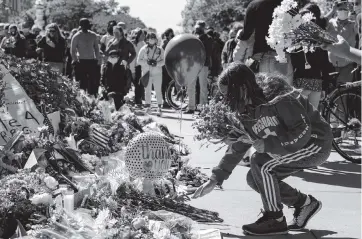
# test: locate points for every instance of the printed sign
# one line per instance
(148, 156)
(19, 112)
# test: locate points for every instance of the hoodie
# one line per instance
(287, 123)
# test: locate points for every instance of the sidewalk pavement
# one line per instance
(337, 183)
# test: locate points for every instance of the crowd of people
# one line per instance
(299, 136)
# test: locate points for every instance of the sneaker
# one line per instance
(159, 112)
(245, 162)
(266, 226)
(304, 214)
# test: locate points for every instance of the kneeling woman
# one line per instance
(289, 136)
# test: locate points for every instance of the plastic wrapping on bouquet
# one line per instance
(185, 56)
(148, 156)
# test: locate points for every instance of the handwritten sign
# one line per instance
(148, 156)
(19, 112)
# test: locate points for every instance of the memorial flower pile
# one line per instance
(291, 31)
(87, 155)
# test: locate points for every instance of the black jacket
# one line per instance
(208, 44)
(31, 46)
(20, 46)
(320, 66)
(227, 52)
(115, 78)
(258, 17)
(53, 54)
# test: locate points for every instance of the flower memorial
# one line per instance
(292, 31)
(75, 183)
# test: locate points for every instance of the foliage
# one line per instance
(67, 14)
(216, 13)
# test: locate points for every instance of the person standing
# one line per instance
(258, 17)
(344, 27)
(119, 80)
(53, 47)
(202, 77)
(31, 43)
(86, 57)
(166, 78)
(138, 38)
(16, 42)
(5, 41)
(227, 53)
(311, 69)
(151, 59)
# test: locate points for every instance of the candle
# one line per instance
(68, 200)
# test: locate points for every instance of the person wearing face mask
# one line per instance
(53, 47)
(114, 83)
(126, 54)
(166, 78)
(343, 26)
(151, 60)
(17, 42)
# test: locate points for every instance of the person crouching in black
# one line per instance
(113, 80)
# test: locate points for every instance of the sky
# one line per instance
(159, 14)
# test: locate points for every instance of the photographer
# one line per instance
(151, 60)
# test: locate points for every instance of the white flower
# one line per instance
(44, 198)
(51, 182)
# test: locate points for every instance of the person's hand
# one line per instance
(124, 63)
(339, 49)
(206, 188)
(259, 145)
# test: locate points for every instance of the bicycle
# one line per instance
(177, 98)
(342, 110)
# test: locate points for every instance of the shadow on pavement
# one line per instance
(306, 234)
(339, 173)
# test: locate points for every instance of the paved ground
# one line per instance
(337, 184)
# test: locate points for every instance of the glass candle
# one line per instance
(68, 200)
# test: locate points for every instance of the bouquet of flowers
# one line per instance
(290, 31)
(217, 122)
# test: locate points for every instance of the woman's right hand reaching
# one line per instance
(204, 189)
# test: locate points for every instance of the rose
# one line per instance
(51, 182)
(44, 198)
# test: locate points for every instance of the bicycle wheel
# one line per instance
(176, 96)
(344, 116)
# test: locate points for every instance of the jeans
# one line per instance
(191, 89)
(268, 64)
(156, 82)
(87, 73)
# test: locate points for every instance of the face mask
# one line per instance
(152, 41)
(113, 60)
(342, 15)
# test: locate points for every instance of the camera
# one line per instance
(151, 62)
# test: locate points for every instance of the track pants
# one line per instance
(266, 174)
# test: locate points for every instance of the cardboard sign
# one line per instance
(19, 112)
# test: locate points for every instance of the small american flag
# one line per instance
(99, 138)
(47, 121)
